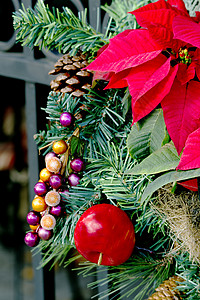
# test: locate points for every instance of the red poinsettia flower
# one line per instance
(160, 63)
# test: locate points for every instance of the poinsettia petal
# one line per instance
(185, 73)
(126, 51)
(190, 184)
(198, 71)
(196, 60)
(118, 80)
(160, 17)
(102, 75)
(147, 10)
(186, 30)
(181, 108)
(145, 104)
(161, 35)
(197, 17)
(190, 159)
(178, 4)
(141, 77)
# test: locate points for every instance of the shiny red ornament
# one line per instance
(105, 235)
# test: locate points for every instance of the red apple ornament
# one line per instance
(104, 234)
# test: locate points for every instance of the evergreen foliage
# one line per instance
(120, 160)
(135, 278)
(61, 31)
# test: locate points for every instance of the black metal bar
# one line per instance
(94, 14)
(43, 278)
(17, 65)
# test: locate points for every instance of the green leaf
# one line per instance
(75, 145)
(172, 176)
(148, 137)
(164, 159)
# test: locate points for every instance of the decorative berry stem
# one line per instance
(100, 259)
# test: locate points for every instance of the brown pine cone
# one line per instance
(167, 290)
(71, 78)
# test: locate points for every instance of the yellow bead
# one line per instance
(45, 174)
(34, 227)
(39, 204)
(59, 147)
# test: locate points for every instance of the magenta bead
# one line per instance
(55, 181)
(44, 234)
(31, 239)
(33, 218)
(66, 119)
(56, 210)
(73, 179)
(77, 164)
(40, 188)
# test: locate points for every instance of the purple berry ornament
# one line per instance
(73, 179)
(56, 210)
(66, 119)
(33, 218)
(31, 239)
(40, 188)
(55, 181)
(77, 164)
(44, 234)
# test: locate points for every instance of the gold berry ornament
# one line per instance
(45, 174)
(59, 147)
(53, 165)
(48, 222)
(39, 204)
(52, 198)
(34, 227)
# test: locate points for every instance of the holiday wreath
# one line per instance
(122, 145)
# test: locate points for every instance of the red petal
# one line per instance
(162, 35)
(126, 51)
(190, 184)
(197, 18)
(146, 10)
(181, 109)
(198, 71)
(160, 17)
(118, 80)
(185, 73)
(102, 75)
(145, 104)
(141, 78)
(196, 60)
(186, 30)
(178, 4)
(190, 158)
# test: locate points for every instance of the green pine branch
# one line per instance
(119, 12)
(189, 272)
(55, 30)
(137, 278)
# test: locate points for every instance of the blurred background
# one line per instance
(24, 87)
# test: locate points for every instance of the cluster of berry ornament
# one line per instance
(46, 205)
